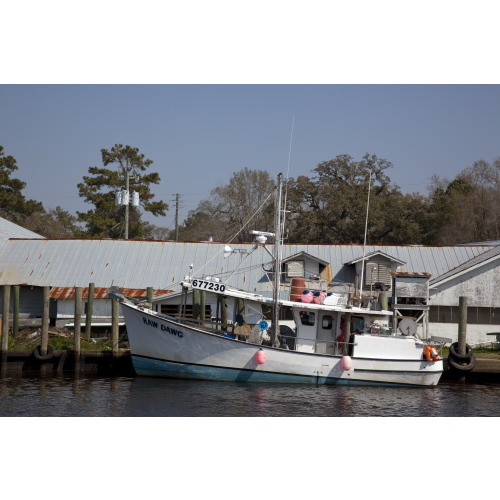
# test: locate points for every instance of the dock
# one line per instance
(99, 363)
(487, 370)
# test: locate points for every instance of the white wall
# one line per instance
(476, 334)
(480, 286)
(100, 309)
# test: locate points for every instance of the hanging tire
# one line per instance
(37, 352)
(460, 357)
(471, 363)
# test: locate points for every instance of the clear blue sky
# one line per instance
(198, 135)
(255, 67)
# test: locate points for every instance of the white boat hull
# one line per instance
(162, 347)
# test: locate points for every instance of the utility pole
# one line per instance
(177, 217)
(123, 197)
(127, 191)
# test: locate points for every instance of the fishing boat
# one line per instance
(331, 340)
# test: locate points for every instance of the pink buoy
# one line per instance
(346, 363)
(261, 356)
(307, 296)
(319, 297)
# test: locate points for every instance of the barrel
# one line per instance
(297, 287)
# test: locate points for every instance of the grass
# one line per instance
(479, 353)
(59, 339)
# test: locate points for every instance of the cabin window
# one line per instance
(307, 318)
(357, 324)
(327, 322)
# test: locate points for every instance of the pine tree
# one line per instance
(106, 219)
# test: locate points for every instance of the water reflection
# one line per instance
(79, 395)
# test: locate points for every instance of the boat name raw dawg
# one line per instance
(164, 328)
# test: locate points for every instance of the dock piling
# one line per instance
(462, 325)
(90, 306)
(5, 319)
(45, 321)
(78, 320)
(115, 327)
(15, 324)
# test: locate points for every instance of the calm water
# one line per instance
(59, 396)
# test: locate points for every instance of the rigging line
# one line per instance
(243, 227)
(248, 221)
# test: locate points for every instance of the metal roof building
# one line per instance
(137, 264)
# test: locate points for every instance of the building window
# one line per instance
(475, 315)
(377, 273)
(295, 269)
(174, 310)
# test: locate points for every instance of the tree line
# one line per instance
(327, 206)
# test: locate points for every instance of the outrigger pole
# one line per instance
(277, 264)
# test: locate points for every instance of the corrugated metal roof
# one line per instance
(10, 230)
(162, 265)
(60, 292)
(491, 254)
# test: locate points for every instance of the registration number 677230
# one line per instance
(209, 286)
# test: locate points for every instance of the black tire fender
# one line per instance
(460, 357)
(37, 353)
(469, 366)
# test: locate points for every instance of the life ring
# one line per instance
(460, 357)
(37, 352)
(467, 367)
(430, 353)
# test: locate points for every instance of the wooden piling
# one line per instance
(15, 323)
(382, 299)
(90, 307)
(77, 320)
(196, 304)
(150, 296)
(223, 312)
(202, 304)
(462, 325)
(115, 327)
(240, 308)
(5, 319)
(347, 333)
(45, 320)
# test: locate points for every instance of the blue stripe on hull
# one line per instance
(157, 368)
(149, 367)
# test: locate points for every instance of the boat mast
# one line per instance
(364, 243)
(277, 264)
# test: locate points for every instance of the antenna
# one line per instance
(286, 184)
